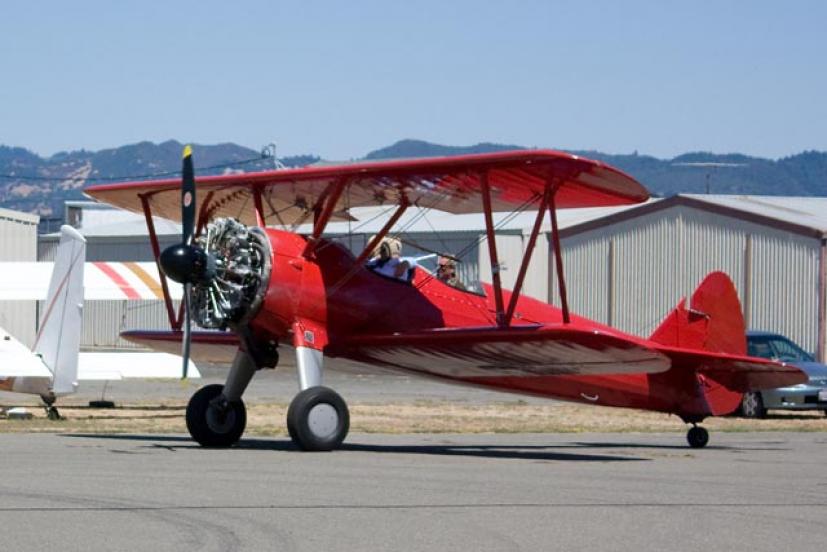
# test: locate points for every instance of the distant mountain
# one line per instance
(418, 148)
(804, 174)
(39, 185)
(33, 184)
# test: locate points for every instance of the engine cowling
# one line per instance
(240, 256)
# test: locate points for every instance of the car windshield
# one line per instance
(777, 348)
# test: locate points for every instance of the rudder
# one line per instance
(58, 338)
(712, 322)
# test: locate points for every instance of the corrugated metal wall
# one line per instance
(587, 264)
(632, 273)
(785, 286)
(18, 242)
(135, 248)
(104, 320)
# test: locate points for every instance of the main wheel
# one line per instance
(210, 424)
(697, 437)
(318, 419)
(752, 405)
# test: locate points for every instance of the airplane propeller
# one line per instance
(187, 263)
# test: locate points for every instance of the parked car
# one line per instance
(804, 396)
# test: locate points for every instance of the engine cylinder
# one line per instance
(240, 256)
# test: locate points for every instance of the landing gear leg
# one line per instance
(697, 436)
(216, 415)
(51, 410)
(318, 417)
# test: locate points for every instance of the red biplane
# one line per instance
(272, 286)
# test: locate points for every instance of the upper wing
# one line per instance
(469, 352)
(452, 184)
(101, 280)
(736, 372)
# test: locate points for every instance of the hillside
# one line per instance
(36, 185)
(804, 174)
(40, 185)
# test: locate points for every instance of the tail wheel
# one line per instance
(752, 405)
(318, 419)
(211, 423)
(697, 437)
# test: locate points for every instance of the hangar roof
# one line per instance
(805, 211)
(800, 215)
(19, 216)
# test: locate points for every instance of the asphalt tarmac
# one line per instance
(746, 491)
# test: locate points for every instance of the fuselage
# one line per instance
(343, 301)
(30, 385)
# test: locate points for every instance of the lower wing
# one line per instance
(474, 352)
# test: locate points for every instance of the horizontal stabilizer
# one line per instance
(115, 366)
(26, 364)
(737, 372)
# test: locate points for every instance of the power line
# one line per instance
(132, 177)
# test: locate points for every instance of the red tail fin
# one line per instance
(707, 345)
(713, 321)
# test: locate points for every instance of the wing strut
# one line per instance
(558, 257)
(332, 195)
(261, 221)
(532, 240)
(174, 323)
(492, 248)
(363, 256)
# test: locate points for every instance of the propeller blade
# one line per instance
(185, 344)
(187, 197)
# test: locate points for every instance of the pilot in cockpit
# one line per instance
(446, 271)
(387, 260)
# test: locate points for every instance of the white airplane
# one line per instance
(54, 365)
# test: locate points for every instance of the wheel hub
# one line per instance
(323, 420)
(220, 420)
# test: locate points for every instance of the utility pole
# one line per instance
(711, 166)
(269, 152)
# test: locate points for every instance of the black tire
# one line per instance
(318, 419)
(752, 405)
(697, 437)
(208, 426)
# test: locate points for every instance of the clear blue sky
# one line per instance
(340, 79)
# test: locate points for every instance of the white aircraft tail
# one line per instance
(58, 339)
